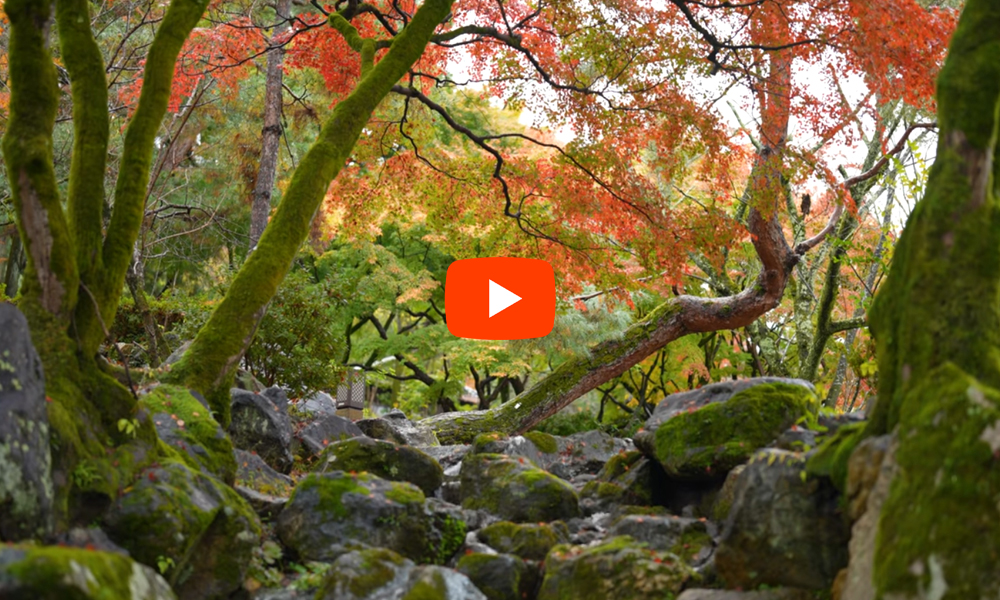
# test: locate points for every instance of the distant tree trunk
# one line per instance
(156, 347)
(271, 134)
(833, 395)
(678, 316)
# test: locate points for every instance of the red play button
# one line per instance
(500, 298)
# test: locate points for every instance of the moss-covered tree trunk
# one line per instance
(210, 362)
(936, 322)
(74, 273)
(677, 317)
(941, 299)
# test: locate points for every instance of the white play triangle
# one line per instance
(501, 297)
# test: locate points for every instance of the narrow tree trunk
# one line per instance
(841, 373)
(156, 347)
(271, 134)
(210, 362)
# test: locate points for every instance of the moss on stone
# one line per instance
(832, 455)
(483, 442)
(59, 573)
(381, 565)
(429, 586)
(543, 441)
(939, 530)
(602, 490)
(383, 459)
(452, 537)
(717, 437)
(405, 494)
(514, 489)
(331, 491)
(201, 441)
(529, 541)
(618, 567)
(497, 576)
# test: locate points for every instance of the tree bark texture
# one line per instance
(271, 134)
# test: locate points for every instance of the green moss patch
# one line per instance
(939, 532)
(543, 441)
(617, 568)
(58, 573)
(184, 423)
(529, 541)
(833, 454)
(708, 442)
(384, 459)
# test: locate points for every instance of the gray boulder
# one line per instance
(690, 539)
(530, 541)
(582, 453)
(58, 573)
(625, 479)
(183, 420)
(395, 427)
(700, 435)
(333, 513)
(775, 594)
(316, 406)
(265, 489)
(516, 490)
(384, 459)
(380, 574)
(176, 513)
(329, 429)
(616, 568)
(25, 462)
(260, 425)
(784, 528)
(499, 576)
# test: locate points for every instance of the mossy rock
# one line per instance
(360, 573)
(690, 539)
(784, 528)
(332, 513)
(625, 479)
(618, 568)
(531, 541)
(26, 490)
(939, 532)
(174, 512)
(515, 490)
(384, 459)
(707, 442)
(382, 573)
(60, 573)
(498, 576)
(832, 456)
(185, 422)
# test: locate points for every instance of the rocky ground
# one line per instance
(726, 488)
